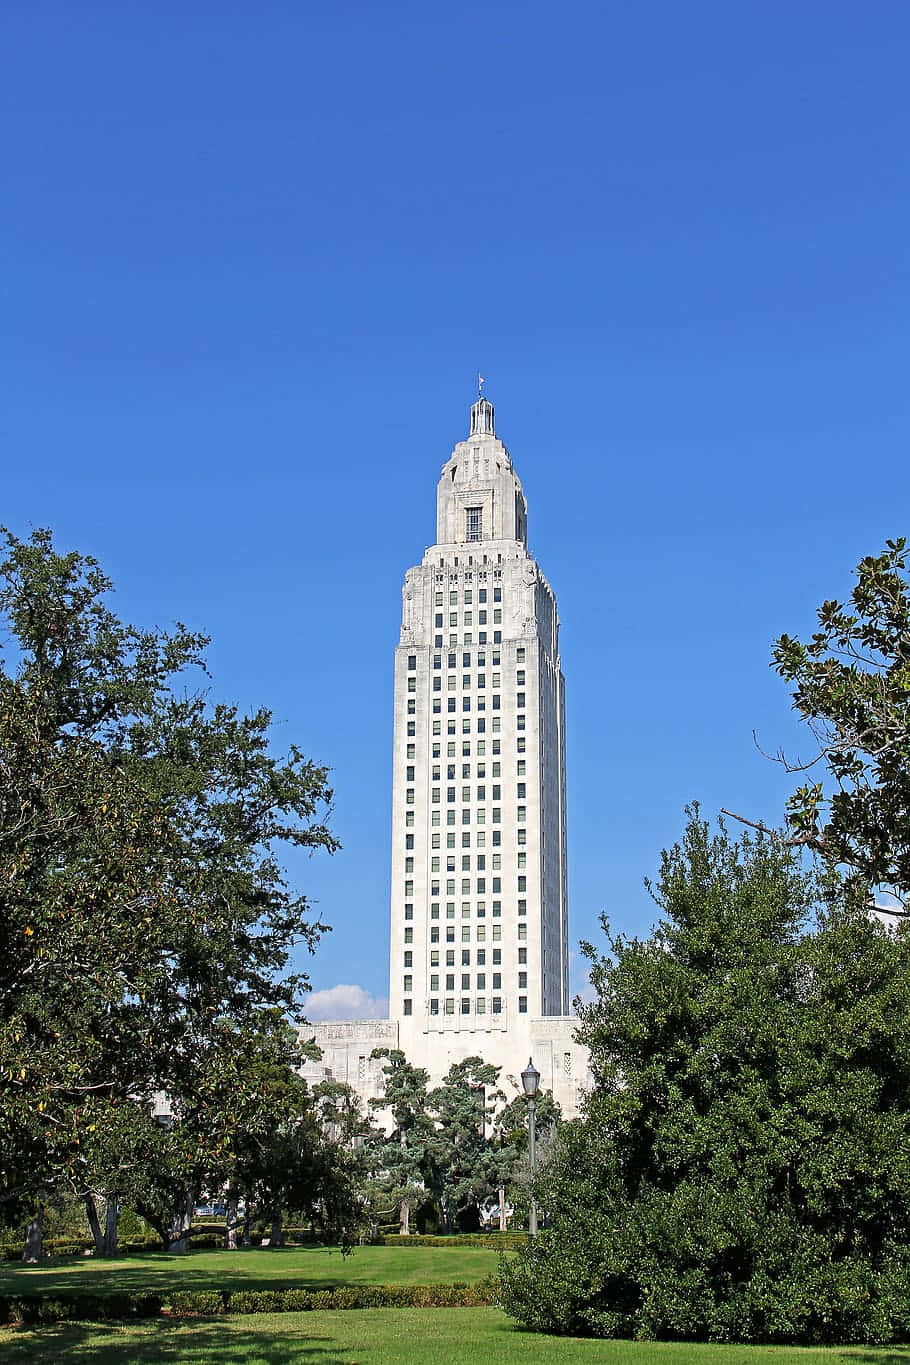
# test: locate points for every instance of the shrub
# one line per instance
(198, 1302)
(495, 1241)
(267, 1301)
(43, 1308)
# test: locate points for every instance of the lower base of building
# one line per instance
(435, 1044)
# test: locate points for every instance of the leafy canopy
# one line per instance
(742, 1168)
(851, 683)
(145, 921)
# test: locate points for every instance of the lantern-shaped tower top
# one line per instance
(482, 418)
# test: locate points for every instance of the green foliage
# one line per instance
(742, 1171)
(33, 1309)
(145, 923)
(41, 1308)
(448, 1148)
(851, 683)
(402, 1161)
(465, 1165)
(491, 1241)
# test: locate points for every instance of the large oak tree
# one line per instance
(146, 924)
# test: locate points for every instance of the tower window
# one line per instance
(474, 523)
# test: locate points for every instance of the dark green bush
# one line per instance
(741, 1170)
(201, 1302)
(497, 1241)
(42, 1308)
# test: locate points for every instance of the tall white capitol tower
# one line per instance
(479, 928)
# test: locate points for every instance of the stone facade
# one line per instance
(479, 928)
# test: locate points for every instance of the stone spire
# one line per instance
(482, 418)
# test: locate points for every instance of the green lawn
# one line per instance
(283, 1267)
(386, 1336)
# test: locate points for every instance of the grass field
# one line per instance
(386, 1336)
(280, 1268)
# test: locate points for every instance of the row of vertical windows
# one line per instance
(480, 933)
(481, 594)
(497, 620)
(480, 1005)
(480, 957)
(452, 685)
(452, 770)
(452, 746)
(480, 862)
(451, 705)
(468, 639)
(480, 662)
(467, 619)
(495, 795)
(480, 985)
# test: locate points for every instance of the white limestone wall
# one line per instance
(550, 1041)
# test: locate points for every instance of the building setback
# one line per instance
(479, 925)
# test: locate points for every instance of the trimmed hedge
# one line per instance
(495, 1241)
(43, 1308)
(12, 1251)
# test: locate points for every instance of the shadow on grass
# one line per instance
(876, 1355)
(275, 1268)
(162, 1273)
(165, 1340)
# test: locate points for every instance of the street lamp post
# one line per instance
(530, 1079)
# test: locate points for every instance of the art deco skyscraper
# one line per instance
(479, 933)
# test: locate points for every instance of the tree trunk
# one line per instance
(33, 1250)
(111, 1218)
(503, 1223)
(246, 1224)
(180, 1227)
(231, 1225)
(91, 1214)
(405, 1218)
(276, 1236)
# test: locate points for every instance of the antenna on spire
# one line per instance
(482, 412)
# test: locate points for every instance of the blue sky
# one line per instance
(253, 257)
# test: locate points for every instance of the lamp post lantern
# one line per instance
(530, 1079)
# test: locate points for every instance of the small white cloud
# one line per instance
(580, 979)
(586, 993)
(345, 1002)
